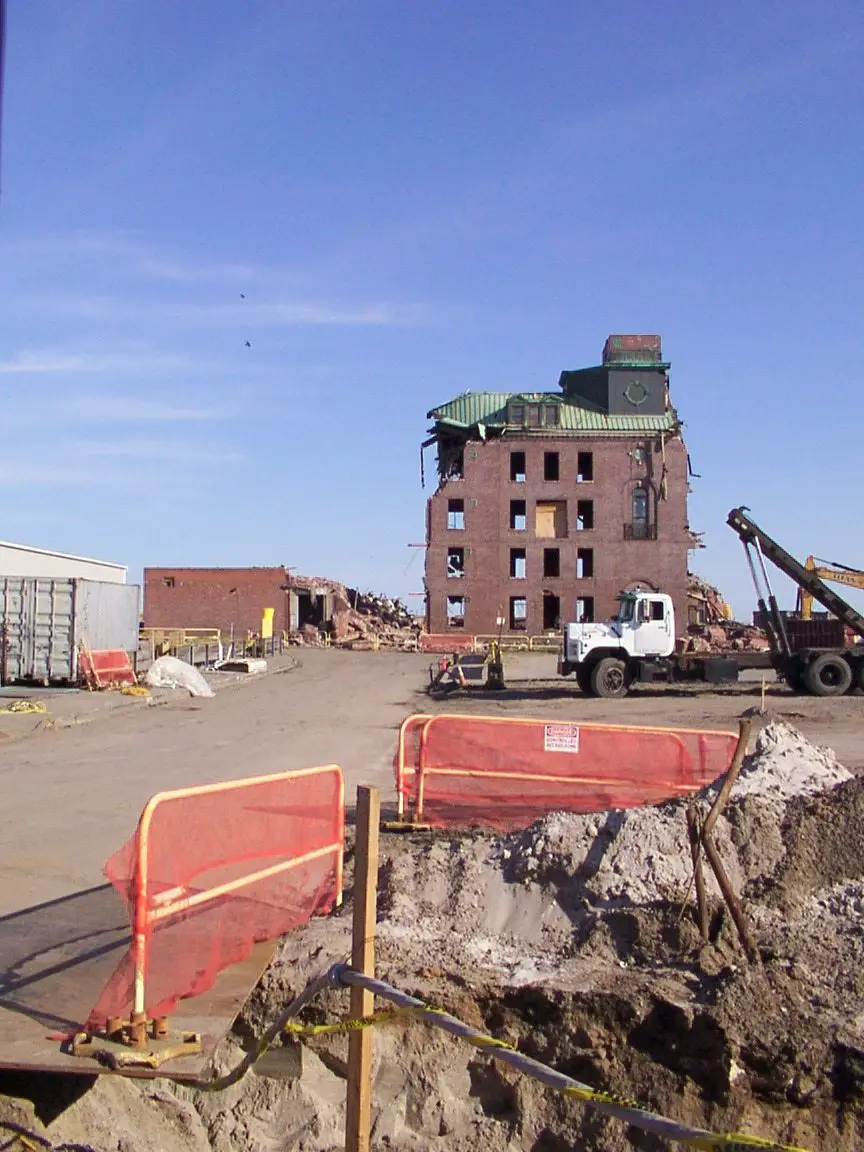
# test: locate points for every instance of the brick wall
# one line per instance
(214, 598)
(487, 490)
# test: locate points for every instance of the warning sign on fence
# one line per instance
(561, 738)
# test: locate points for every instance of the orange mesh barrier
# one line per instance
(213, 870)
(506, 772)
(103, 669)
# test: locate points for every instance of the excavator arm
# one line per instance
(839, 574)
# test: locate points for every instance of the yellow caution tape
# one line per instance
(24, 707)
(303, 1031)
(710, 1142)
(135, 690)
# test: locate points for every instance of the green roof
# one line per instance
(490, 409)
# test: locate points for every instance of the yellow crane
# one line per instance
(838, 573)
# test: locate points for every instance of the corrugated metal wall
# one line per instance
(42, 622)
(106, 615)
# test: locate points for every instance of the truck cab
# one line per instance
(605, 657)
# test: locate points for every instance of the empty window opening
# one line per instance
(455, 563)
(551, 562)
(551, 611)
(168, 581)
(517, 467)
(584, 515)
(456, 466)
(455, 513)
(551, 519)
(585, 610)
(652, 610)
(518, 614)
(584, 563)
(585, 467)
(456, 611)
(518, 564)
(518, 516)
(550, 466)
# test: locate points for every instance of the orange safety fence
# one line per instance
(498, 772)
(105, 668)
(215, 869)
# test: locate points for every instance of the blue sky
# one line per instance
(415, 199)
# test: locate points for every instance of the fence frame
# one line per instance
(422, 770)
(175, 900)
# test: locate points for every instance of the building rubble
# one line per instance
(358, 620)
(712, 628)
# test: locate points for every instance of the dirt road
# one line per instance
(72, 794)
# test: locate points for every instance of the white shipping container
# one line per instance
(43, 622)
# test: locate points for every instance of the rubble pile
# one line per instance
(715, 630)
(355, 619)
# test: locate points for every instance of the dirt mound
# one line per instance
(573, 940)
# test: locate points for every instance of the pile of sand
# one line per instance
(636, 857)
(569, 940)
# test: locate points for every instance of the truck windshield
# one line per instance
(626, 610)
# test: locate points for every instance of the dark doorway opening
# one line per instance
(551, 611)
(310, 609)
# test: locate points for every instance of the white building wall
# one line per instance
(21, 560)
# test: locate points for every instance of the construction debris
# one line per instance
(358, 620)
(712, 628)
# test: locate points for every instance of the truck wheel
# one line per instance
(859, 675)
(610, 678)
(583, 679)
(829, 675)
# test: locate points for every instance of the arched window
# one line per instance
(640, 518)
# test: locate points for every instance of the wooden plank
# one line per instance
(358, 1117)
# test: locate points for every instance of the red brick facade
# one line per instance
(619, 466)
(215, 598)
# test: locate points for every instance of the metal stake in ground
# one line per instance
(358, 1115)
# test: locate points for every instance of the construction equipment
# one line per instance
(825, 570)
(468, 670)
(811, 655)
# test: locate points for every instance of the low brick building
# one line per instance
(234, 599)
(549, 504)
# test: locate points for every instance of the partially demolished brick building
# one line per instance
(549, 504)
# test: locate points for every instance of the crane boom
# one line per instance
(806, 579)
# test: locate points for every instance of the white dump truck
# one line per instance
(639, 645)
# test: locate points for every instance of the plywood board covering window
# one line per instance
(551, 519)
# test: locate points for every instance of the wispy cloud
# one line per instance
(243, 314)
(153, 449)
(130, 409)
(89, 410)
(46, 361)
(137, 255)
(21, 474)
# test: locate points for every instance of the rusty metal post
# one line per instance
(732, 901)
(696, 856)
